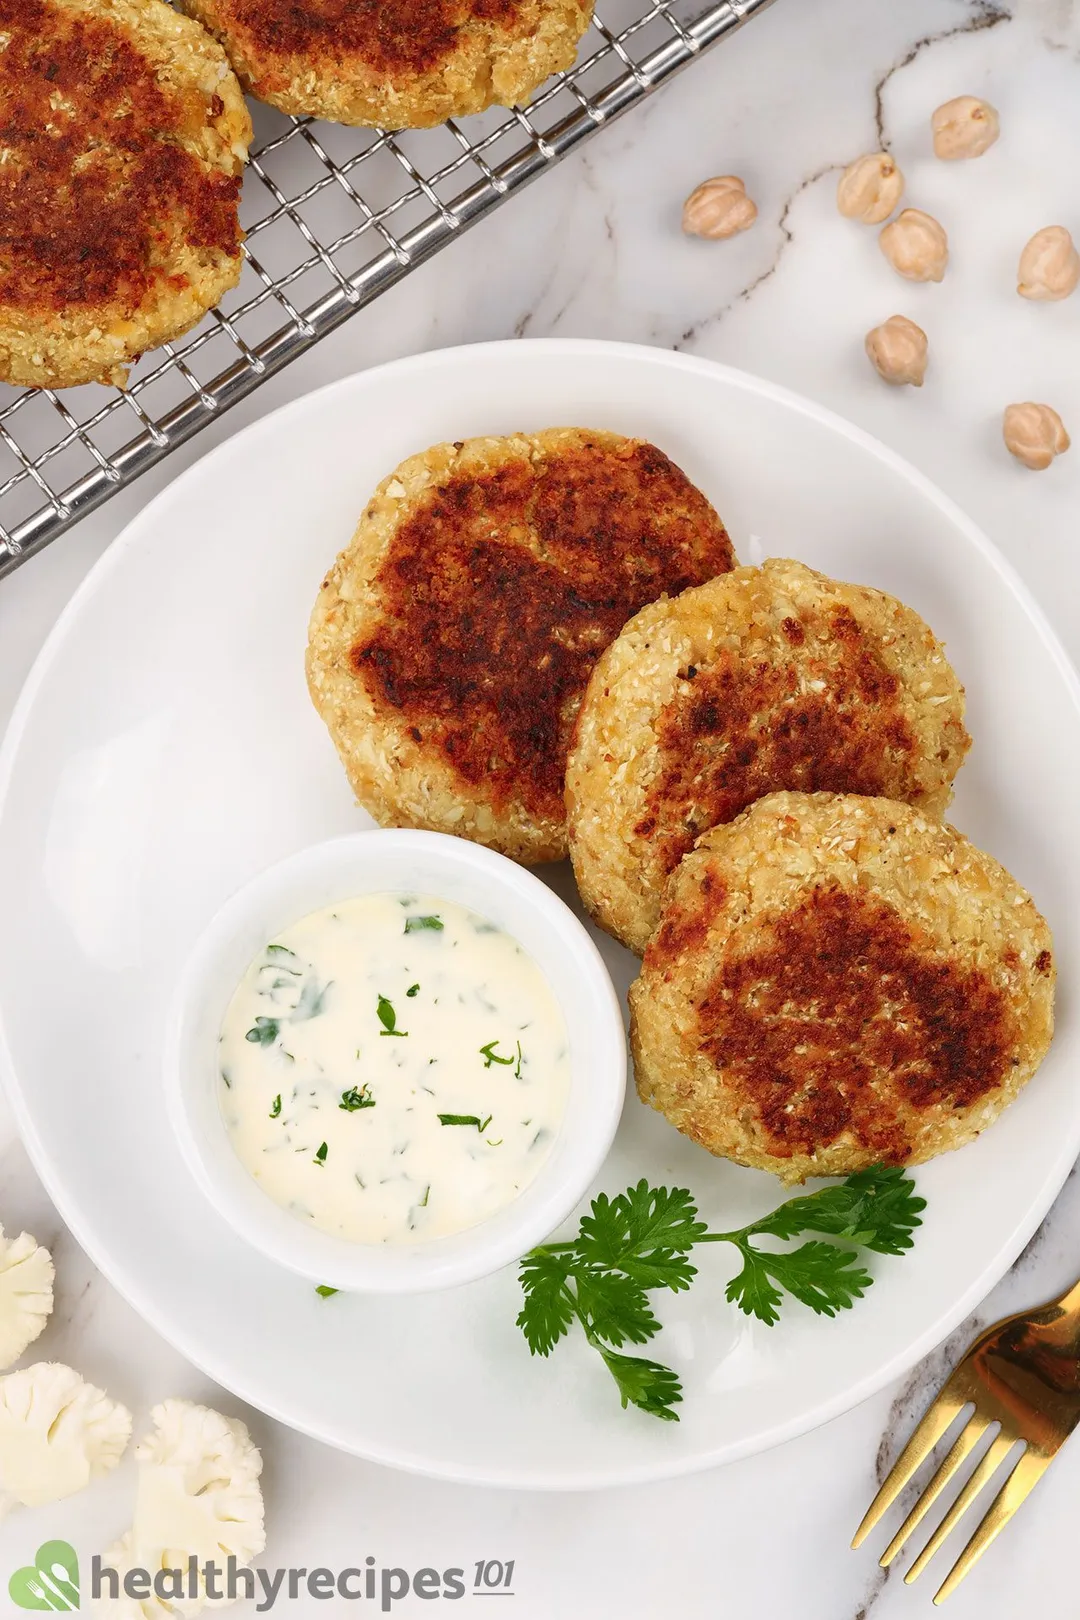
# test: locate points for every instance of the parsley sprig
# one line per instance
(640, 1240)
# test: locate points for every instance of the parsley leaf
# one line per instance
(352, 1100)
(644, 1232)
(641, 1239)
(549, 1308)
(754, 1291)
(465, 1119)
(874, 1208)
(648, 1385)
(490, 1056)
(264, 1032)
(388, 1018)
(312, 1002)
(819, 1274)
(320, 1156)
(324, 1291)
(415, 925)
(615, 1308)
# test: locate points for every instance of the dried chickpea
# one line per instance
(1049, 265)
(898, 351)
(870, 188)
(1034, 434)
(965, 127)
(718, 208)
(916, 246)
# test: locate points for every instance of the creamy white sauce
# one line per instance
(356, 1042)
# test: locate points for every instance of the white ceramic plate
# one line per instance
(165, 750)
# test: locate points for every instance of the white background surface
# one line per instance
(595, 250)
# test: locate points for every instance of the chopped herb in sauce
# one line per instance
(324, 1291)
(353, 1099)
(388, 1018)
(264, 1032)
(303, 1002)
(312, 1001)
(466, 1119)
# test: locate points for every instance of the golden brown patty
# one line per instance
(452, 640)
(837, 982)
(401, 64)
(767, 678)
(124, 135)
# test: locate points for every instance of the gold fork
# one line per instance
(1023, 1374)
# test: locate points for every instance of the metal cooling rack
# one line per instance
(333, 216)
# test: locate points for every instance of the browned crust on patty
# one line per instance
(451, 643)
(836, 982)
(395, 62)
(390, 36)
(836, 993)
(122, 134)
(761, 680)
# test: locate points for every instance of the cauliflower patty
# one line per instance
(767, 678)
(452, 641)
(124, 136)
(395, 63)
(838, 982)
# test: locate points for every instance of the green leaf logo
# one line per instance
(50, 1582)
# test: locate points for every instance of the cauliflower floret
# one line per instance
(26, 1294)
(198, 1496)
(56, 1434)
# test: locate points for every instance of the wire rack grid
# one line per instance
(334, 216)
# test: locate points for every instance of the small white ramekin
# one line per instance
(388, 861)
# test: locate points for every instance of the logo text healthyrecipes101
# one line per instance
(52, 1582)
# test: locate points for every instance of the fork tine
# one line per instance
(1027, 1473)
(930, 1430)
(964, 1445)
(988, 1466)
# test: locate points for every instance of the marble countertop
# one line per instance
(784, 104)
